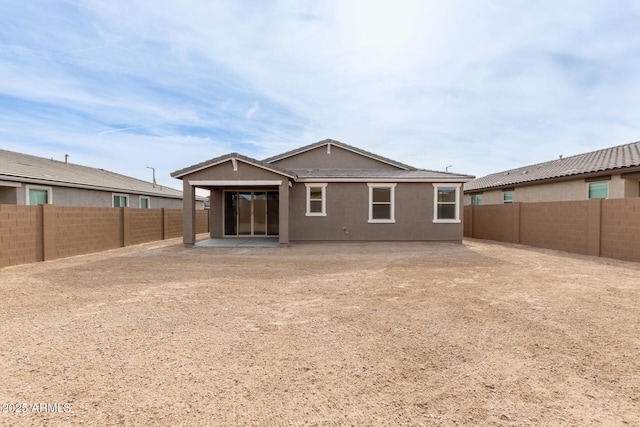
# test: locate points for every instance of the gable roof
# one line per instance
(344, 147)
(19, 167)
(616, 158)
(403, 173)
(227, 157)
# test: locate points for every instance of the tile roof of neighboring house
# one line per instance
(379, 174)
(341, 145)
(608, 159)
(18, 167)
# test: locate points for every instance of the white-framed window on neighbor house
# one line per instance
(120, 201)
(316, 199)
(145, 202)
(446, 202)
(382, 203)
(476, 199)
(507, 196)
(599, 190)
(38, 195)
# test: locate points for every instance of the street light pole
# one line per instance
(154, 174)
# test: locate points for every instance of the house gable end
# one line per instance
(233, 169)
(334, 155)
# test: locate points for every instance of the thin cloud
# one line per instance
(484, 86)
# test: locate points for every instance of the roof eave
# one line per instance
(67, 184)
(583, 175)
(384, 179)
(215, 162)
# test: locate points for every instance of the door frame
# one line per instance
(252, 235)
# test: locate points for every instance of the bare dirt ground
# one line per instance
(322, 334)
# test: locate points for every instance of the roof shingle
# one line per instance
(27, 168)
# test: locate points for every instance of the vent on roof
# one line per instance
(524, 172)
(507, 173)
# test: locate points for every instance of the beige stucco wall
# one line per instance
(560, 191)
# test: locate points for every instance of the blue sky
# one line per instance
(483, 86)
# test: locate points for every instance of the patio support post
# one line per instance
(283, 207)
(188, 214)
(215, 214)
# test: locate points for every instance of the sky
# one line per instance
(475, 87)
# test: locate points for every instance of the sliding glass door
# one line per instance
(251, 213)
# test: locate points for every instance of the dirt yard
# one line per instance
(322, 334)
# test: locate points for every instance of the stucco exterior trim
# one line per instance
(234, 160)
(230, 183)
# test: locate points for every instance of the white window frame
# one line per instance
(455, 220)
(323, 187)
(140, 201)
(120, 195)
(38, 187)
(392, 196)
(504, 194)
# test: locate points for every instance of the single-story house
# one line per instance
(32, 180)
(611, 173)
(324, 191)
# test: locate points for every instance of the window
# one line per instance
(382, 202)
(38, 195)
(446, 202)
(316, 199)
(120, 200)
(598, 190)
(507, 197)
(144, 202)
(476, 199)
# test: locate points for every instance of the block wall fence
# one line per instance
(45, 232)
(598, 227)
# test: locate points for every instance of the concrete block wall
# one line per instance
(493, 222)
(555, 225)
(70, 230)
(20, 234)
(202, 221)
(172, 223)
(598, 227)
(146, 225)
(621, 229)
(47, 232)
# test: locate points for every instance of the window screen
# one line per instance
(38, 197)
(598, 190)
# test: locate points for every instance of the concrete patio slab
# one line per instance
(240, 242)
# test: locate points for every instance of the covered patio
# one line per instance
(249, 204)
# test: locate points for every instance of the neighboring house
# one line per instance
(324, 191)
(611, 173)
(31, 180)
